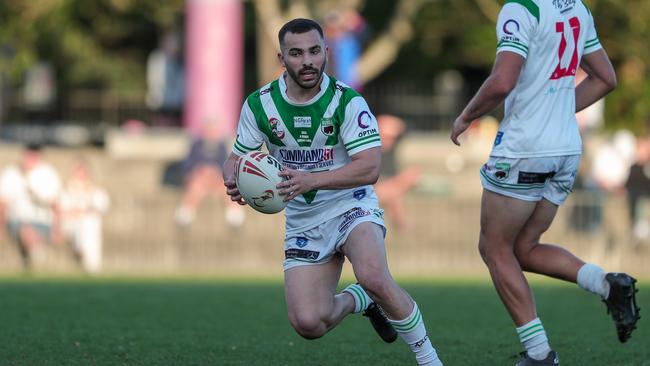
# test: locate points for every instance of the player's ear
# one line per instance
(281, 59)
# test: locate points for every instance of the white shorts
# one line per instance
(320, 244)
(531, 179)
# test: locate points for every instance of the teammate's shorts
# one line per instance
(320, 244)
(531, 179)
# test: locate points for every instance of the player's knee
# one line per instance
(308, 326)
(493, 250)
(376, 283)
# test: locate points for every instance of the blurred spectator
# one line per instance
(201, 171)
(39, 91)
(166, 81)
(612, 161)
(610, 170)
(393, 183)
(638, 191)
(29, 193)
(343, 29)
(83, 203)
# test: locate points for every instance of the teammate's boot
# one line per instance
(621, 304)
(380, 322)
(551, 360)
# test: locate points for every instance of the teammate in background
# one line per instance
(202, 176)
(535, 157)
(83, 203)
(327, 139)
(29, 209)
(394, 184)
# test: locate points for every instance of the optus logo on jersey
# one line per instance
(364, 119)
(510, 27)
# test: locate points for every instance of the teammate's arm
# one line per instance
(362, 170)
(494, 90)
(601, 79)
(229, 179)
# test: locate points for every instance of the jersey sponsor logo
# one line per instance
(359, 194)
(327, 126)
(276, 128)
(510, 27)
(364, 119)
(266, 91)
(534, 177)
(309, 255)
(372, 131)
(301, 241)
(498, 138)
(302, 122)
(308, 159)
(261, 201)
(502, 170)
(351, 216)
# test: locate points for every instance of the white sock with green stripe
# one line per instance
(533, 337)
(361, 298)
(413, 332)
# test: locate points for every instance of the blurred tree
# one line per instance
(377, 56)
(100, 43)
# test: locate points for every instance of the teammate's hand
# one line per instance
(295, 183)
(460, 125)
(232, 191)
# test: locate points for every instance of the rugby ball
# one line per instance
(256, 176)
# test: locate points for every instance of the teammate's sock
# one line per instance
(533, 337)
(592, 278)
(361, 298)
(413, 332)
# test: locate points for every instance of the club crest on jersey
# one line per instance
(327, 126)
(274, 123)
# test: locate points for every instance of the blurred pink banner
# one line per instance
(214, 59)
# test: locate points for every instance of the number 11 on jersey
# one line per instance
(561, 72)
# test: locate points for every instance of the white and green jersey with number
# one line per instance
(318, 135)
(552, 35)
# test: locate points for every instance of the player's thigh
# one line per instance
(502, 219)
(310, 289)
(536, 225)
(366, 251)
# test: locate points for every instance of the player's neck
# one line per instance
(299, 94)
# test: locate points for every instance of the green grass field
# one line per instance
(219, 322)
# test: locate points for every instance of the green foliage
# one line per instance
(99, 43)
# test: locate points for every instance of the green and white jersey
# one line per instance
(552, 35)
(319, 135)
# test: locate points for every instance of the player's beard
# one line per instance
(319, 76)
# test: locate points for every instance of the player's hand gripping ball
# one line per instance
(256, 176)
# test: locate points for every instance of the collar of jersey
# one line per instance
(283, 90)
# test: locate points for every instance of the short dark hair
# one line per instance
(299, 25)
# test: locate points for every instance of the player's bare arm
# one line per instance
(494, 90)
(362, 170)
(601, 79)
(229, 179)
